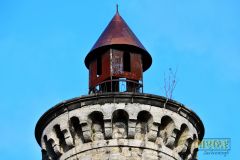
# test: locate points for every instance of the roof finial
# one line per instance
(117, 8)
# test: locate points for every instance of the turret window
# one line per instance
(126, 62)
(99, 66)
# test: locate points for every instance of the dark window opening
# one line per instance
(126, 62)
(99, 66)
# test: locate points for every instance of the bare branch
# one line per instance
(170, 82)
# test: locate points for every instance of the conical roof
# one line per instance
(117, 33)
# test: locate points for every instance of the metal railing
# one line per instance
(117, 85)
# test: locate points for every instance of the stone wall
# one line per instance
(120, 131)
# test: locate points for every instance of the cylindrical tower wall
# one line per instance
(119, 126)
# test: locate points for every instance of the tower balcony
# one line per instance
(117, 85)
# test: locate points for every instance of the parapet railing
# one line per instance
(117, 85)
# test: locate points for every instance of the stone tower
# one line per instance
(117, 121)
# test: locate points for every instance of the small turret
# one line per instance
(117, 60)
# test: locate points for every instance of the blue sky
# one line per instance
(43, 45)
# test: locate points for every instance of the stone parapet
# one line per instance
(119, 126)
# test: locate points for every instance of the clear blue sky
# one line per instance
(43, 45)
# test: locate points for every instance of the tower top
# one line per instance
(118, 33)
